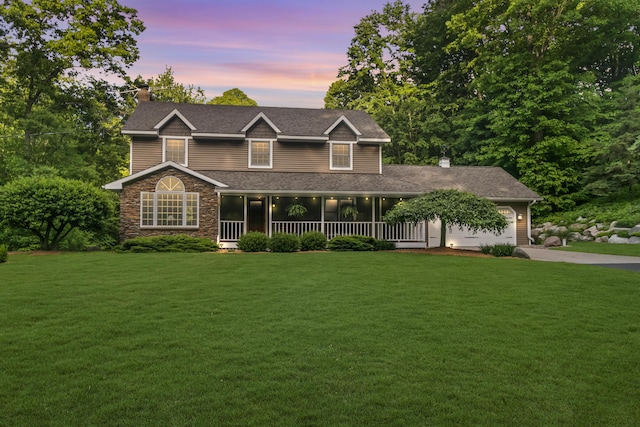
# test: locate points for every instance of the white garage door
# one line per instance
(467, 238)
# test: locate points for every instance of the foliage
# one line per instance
(350, 211)
(4, 253)
(253, 241)
(313, 241)
(51, 207)
(284, 242)
(384, 245)
(452, 208)
(164, 88)
(52, 111)
(233, 97)
(352, 243)
(502, 250)
(175, 243)
(296, 210)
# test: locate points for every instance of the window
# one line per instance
(260, 153)
(175, 150)
(169, 205)
(341, 156)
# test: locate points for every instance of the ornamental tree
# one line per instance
(50, 207)
(451, 207)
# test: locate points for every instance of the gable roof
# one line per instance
(230, 121)
(117, 185)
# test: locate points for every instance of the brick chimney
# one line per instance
(143, 94)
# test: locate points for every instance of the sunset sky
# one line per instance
(279, 52)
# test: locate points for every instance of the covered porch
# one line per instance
(332, 215)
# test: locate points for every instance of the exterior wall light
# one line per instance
(520, 217)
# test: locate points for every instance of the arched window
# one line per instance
(169, 206)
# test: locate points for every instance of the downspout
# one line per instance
(531, 239)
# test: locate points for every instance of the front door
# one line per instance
(257, 215)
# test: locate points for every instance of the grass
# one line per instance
(323, 339)
(602, 248)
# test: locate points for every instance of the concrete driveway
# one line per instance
(613, 261)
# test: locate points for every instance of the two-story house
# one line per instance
(220, 171)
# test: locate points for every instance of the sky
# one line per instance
(281, 53)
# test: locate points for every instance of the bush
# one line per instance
(283, 242)
(313, 241)
(253, 241)
(502, 250)
(4, 254)
(623, 234)
(177, 243)
(352, 243)
(384, 245)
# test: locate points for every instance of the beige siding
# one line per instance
(261, 130)
(366, 158)
(300, 157)
(175, 127)
(218, 155)
(342, 132)
(146, 153)
(522, 225)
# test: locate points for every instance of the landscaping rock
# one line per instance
(591, 232)
(634, 240)
(603, 239)
(635, 229)
(619, 240)
(552, 241)
(520, 253)
(580, 227)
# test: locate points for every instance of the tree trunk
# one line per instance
(443, 234)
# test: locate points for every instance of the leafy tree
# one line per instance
(164, 88)
(453, 208)
(51, 207)
(233, 97)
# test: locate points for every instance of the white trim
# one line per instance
(374, 140)
(270, 165)
(117, 185)
(186, 148)
(239, 136)
(336, 168)
(346, 121)
(140, 132)
(263, 117)
(171, 115)
(303, 138)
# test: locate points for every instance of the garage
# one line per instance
(464, 237)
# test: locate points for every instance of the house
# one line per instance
(219, 171)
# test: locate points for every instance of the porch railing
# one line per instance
(232, 230)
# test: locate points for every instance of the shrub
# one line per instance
(384, 245)
(283, 242)
(4, 254)
(177, 243)
(253, 241)
(352, 243)
(313, 241)
(502, 250)
(622, 233)
(486, 249)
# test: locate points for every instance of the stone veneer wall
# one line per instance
(130, 207)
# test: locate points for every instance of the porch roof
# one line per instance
(401, 180)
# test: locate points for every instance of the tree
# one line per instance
(233, 97)
(164, 88)
(50, 207)
(453, 208)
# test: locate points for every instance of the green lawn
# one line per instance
(328, 339)
(602, 248)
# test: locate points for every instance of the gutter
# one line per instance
(533, 202)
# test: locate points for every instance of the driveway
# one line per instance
(612, 261)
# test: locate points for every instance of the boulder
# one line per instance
(635, 229)
(552, 241)
(580, 227)
(619, 240)
(634, 239)
(536, 232)
(603, 239)
(520, 253)
(591, 231)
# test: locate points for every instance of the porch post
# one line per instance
(374, 231)
(269, 199)
(322, 227)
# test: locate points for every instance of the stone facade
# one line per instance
(130, 207)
